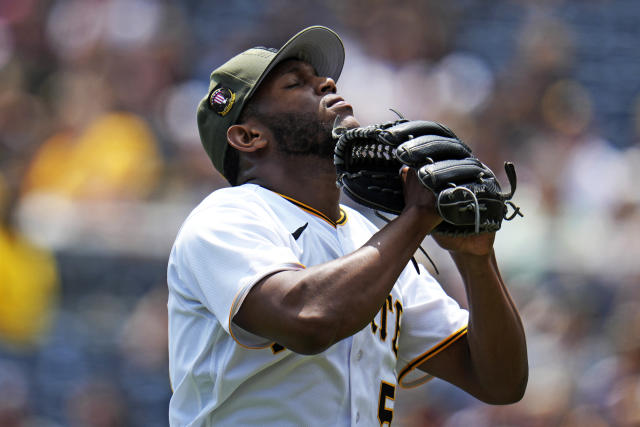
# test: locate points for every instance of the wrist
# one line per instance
(474, 260)
(424, 219)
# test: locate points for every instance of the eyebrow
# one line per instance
(297, 67)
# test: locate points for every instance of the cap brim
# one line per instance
(319, 46)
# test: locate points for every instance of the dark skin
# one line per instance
(309, 310)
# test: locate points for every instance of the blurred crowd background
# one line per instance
(100, 162)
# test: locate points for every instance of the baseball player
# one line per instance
(289, 309)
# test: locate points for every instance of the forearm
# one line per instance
(310, 309)
(496, 336)
(354, 287)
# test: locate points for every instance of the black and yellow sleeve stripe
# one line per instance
(442, 345)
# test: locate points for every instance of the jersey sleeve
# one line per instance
(431, 321)
(223, 252)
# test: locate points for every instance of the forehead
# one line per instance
(289, 66)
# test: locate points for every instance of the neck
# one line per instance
(307, 179)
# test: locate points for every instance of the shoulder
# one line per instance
(241, 208)
(229, 201)
(224, 206)
(241, 195)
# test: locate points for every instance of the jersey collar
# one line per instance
(312, 211)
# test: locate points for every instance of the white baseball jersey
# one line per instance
(222, 375)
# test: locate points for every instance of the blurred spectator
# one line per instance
(143, 345)
(404, 30)
(98, 403)
(28, 281)
(115, 157)
(29, 288)
(144, 337)
(14, 399)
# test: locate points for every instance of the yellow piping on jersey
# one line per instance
(428, 355)
(233, 304)
(340, 221)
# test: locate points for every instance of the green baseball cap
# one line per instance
(232, 84)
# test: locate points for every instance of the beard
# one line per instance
(301, 134)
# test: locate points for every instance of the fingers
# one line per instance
(415, 193)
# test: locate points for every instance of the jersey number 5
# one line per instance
(387, 391)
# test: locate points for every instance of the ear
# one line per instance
(246, 137)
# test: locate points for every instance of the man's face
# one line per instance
(300, 108)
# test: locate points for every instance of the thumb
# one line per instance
(404, 173)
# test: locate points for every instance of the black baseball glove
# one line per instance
(469, 198)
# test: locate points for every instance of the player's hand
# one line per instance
(418, 196)
(476, 244)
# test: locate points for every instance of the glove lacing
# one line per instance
(476, 204)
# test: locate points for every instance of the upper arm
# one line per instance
(453, 364)
(435, 340)
(274, 308)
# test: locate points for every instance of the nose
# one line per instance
(326, 85)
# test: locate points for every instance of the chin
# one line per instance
(350, 122)
(344, 120)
